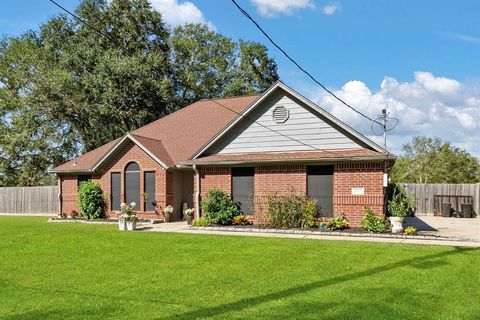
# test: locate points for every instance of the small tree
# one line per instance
(90, 200)
(401, 203)
(219, 207)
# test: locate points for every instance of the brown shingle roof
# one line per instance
(176, 137)
(156, 148)
(184, 132)
(86, 161)
(351, 154)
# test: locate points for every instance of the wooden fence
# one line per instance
(426, 194)
(29, 200)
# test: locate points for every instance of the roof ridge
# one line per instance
(138, 135)
(231, 97)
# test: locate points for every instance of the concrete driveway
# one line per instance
(449, 227)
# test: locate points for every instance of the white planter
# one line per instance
(397, 224)
(122, 224)
(131, 225)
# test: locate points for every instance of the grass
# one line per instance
(78, 271)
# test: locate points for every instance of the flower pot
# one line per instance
(131, 225)
(167, 217)
(189, 220)
(122, 224)
(397, 224)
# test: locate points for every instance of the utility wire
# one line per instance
(100, 32)
(216, 102)
(249, 17)
(243, 116)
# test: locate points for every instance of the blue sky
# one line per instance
(420, 59)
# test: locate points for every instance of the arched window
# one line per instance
(132, 184)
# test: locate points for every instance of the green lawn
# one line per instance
(78, 271)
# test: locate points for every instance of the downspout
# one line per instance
(59, 182)
(197, 193)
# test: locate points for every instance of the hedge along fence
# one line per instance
(29, 200)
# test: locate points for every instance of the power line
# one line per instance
(84, 22)
(249, 17)
(216, 102)
(100, 32)
(243, 116)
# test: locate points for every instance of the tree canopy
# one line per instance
(66, 89)
(431, 160)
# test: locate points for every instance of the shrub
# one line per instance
(241, 220)
(339, 223)
(291, 211)
(410, 230)
(219, 207)
(401, 203)
(90, 200)
(202, 222)
(373, 223)
(309, 213)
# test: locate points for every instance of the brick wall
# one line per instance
(282, 179)
(279, 179)
(117, 163)
(357, 175)
(69, 194)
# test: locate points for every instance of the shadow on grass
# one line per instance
(421, 263)
(426, 262)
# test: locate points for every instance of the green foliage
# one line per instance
(132, 217)
(207, 64)
(374, 223)
(60, 84)
(202, 222)
(309, 210)
(219, 207)
(241, 220)
(189, 212)
(410, 230)
(431, 160)
(291, 211)
(401, 204)
(90, 200)
(338, 223)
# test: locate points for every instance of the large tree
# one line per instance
(66, 89)
(431, 160)
(207, 64)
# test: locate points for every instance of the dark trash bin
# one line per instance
(467, 210)
(446, 209)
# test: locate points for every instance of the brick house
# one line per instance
(249, 146)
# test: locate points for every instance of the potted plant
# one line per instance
(399, 208)
(131, 222)
(168, 211)
(126, 212)
(189, 213)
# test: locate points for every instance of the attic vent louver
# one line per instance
(280, 114)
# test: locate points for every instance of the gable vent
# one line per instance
(280, 114)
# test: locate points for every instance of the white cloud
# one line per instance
(331, 8)
(427, 105)
(462, 37)
(270, 8)
(177, 12)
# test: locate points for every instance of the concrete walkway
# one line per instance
(446, 227)
(181, 227)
